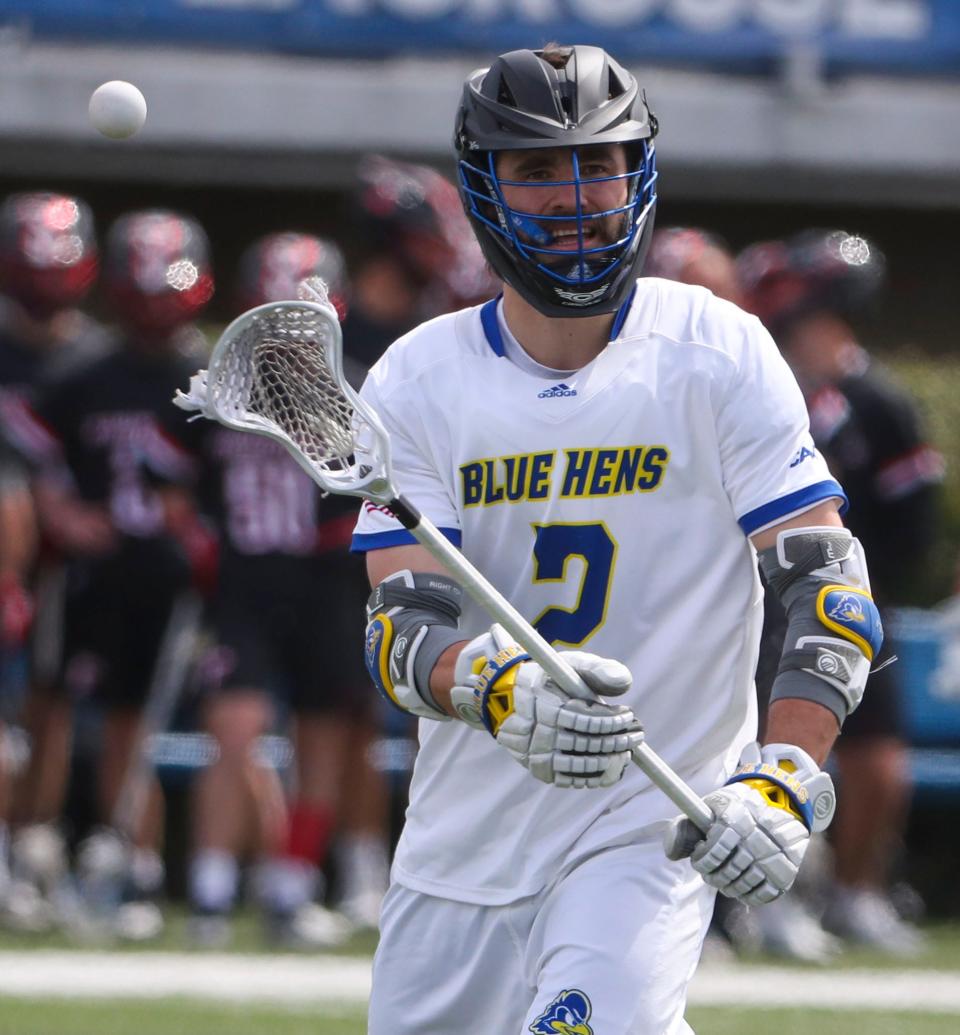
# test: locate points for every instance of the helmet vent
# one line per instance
(505, 95)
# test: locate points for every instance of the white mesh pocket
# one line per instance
(277, 370)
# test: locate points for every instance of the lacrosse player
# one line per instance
(414, 255)
(613, 454)
(49, 261)
(98, 503)
(283, 564)
(694, 256)
(812, 291)
(787, 927)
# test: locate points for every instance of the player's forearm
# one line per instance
(441, 678)
(805, 724)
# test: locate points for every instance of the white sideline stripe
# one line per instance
(926, 991)
(155, 975)
(319, 980)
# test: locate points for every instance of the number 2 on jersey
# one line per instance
(552, 549)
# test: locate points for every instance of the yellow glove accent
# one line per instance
(774, 795)
(495, 686)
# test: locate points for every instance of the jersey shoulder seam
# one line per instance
(388, 389)
(673, 340)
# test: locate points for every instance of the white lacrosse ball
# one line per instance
(117, 109)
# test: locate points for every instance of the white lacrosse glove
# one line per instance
(763, 820)
(562, 740)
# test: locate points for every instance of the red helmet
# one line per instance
(693, 256)
(673, 248)
(416, 213)
(156, 270)
(814, 271)
(273, 267)
(48, 251)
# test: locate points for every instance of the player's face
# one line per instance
(540, 183)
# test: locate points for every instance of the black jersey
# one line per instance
(259, 499)
(27, 370)
(107, 422)
(365, 341)
(21, 366)
(871, 435)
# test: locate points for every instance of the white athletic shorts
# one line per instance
(608, 949)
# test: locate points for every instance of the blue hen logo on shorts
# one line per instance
(566, 1015)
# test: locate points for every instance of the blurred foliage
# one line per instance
(934, 383)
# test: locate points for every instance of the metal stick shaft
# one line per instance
(496, 605)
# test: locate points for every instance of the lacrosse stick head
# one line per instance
(277, 370)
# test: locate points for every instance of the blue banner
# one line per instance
(908, 36)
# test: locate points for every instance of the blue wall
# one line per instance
(891, 36)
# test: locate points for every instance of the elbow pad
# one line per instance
(833, 626)
(411, 620)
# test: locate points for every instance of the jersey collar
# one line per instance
(491, 326)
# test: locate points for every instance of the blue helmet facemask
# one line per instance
(576, 277)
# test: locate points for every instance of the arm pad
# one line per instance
(411, 620)
(833, 626)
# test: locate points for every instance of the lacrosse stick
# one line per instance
(277, 370)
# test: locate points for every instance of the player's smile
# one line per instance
(543, 186)
(568, 239)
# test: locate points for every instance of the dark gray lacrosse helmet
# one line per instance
(524, 102)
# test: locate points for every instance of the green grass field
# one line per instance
(173, 1017)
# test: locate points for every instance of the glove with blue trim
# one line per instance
(764, 817)
(562, 740)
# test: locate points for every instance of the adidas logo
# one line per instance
(560, 391)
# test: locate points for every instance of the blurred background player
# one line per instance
(413, 255)
(787, 927)
(49, 262)
(691, 255)
(18, 542)
(98, 505)
(285, 646)
(812, 291)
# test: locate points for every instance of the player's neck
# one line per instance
(559, 343)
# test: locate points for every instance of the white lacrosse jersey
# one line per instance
(611, 506)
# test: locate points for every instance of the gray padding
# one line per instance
(806, 552)
(433, 603)
(437, 640)
(800, 603)
(796, 683)
(798, 587)
(436, 597)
